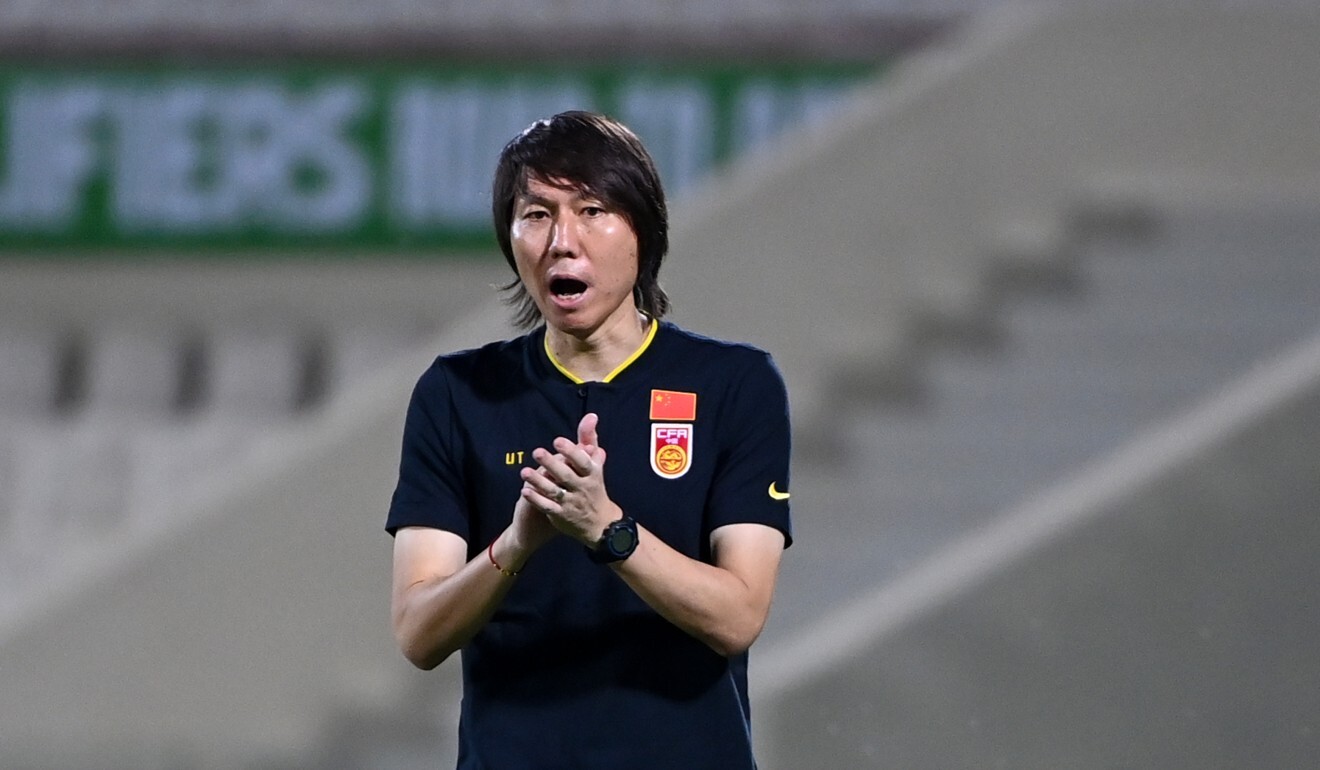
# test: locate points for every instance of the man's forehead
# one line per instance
(538, 187)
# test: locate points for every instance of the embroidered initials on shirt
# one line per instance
(513, 458)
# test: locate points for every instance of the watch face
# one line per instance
(621, 540)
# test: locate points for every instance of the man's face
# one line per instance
(576, 257)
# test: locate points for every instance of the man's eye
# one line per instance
(593, 211)
(535, 214)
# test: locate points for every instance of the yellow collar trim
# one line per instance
(646, 343)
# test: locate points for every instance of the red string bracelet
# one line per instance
(490, 551)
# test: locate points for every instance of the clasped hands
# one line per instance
(566, 491)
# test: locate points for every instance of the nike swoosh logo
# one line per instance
(775, 494)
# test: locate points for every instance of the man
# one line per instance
(594, 512)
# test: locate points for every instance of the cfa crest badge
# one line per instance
(671, 449)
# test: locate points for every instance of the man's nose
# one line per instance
(564, 237)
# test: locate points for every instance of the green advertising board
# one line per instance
(389, 159)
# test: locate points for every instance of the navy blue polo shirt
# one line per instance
(574, 670)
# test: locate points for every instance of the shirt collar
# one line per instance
(576, 380)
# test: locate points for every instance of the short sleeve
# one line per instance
(751, 483)
(430, 490)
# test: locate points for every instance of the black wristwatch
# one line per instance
(617, 543)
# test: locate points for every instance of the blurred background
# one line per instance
(1043, 278)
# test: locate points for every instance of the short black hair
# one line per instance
(599, 156)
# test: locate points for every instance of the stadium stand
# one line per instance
(1122, 405)
(510, 29)
(29, 371)
(999, 274)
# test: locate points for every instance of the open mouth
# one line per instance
(567, 288)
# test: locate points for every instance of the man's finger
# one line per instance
(587, 430)
(577, 458)
(539, 481)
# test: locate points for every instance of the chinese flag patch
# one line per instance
(673, 405)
